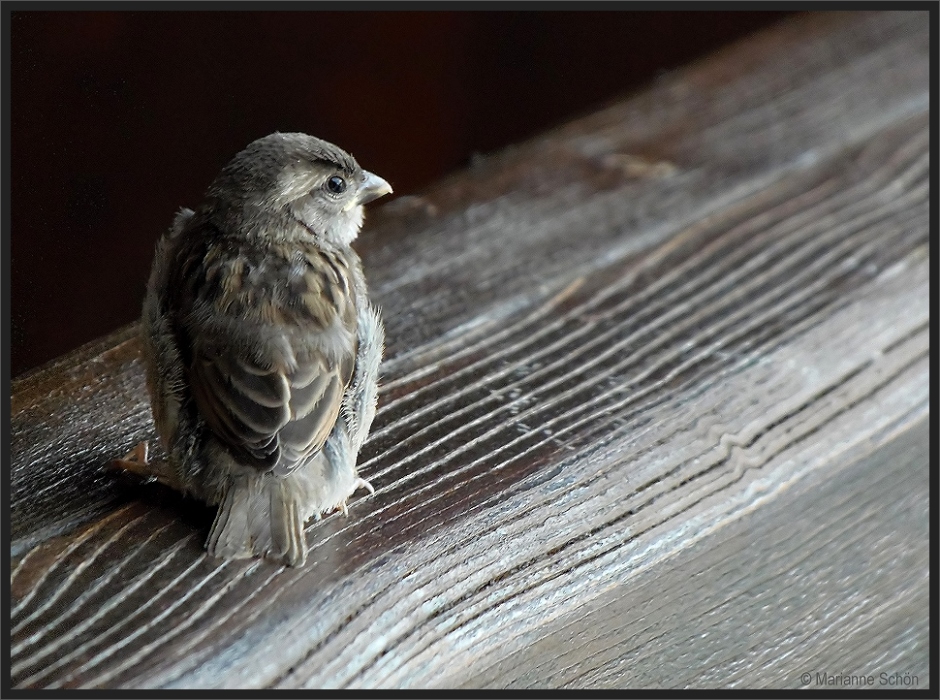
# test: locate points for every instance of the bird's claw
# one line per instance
(136, 461)
(359, 484)
(363, 484)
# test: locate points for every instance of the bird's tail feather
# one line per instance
(258, 517)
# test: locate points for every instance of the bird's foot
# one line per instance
(135, 461)
(359, 484)
(363, 484)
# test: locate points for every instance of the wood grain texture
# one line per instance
(654, 414)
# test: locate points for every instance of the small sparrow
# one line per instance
(261, 347)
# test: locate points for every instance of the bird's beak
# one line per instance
(372, 188)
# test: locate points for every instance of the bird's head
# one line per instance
(289, 185)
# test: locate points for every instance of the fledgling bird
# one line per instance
(261, 346)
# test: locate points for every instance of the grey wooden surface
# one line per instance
(654, 414)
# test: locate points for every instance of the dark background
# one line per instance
(120, 118)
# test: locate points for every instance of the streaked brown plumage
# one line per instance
(261, 347)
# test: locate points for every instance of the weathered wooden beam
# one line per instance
(654, 414)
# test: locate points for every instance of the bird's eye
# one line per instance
(336, 185)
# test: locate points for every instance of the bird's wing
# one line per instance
(269, 417)
(271, 344)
